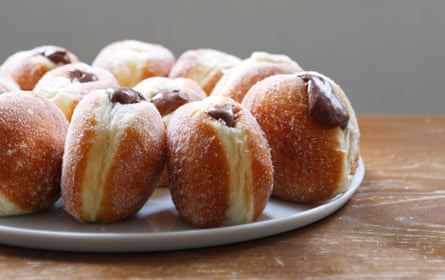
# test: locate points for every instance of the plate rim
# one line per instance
(177, 240)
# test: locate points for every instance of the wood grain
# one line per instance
(393, 227)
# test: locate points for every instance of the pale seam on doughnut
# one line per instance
(102, 153)
(226, 81)
(343, 140)
(352, 132)
(56, 85)
(273, 58)
(7, 82)
(156, 85)
(209, 75)
(130, 62)
(347, 139)
(7, 208)
(354, 135)
(63, 99)
(200, 75)
(40, 59)
(98, 163)
(211, 62)
(241, 206)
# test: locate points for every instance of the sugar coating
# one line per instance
(33, 132)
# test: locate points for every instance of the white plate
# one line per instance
(157, 226)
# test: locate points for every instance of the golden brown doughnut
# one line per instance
(132, 61)
(219, 163)
(238, 80)
(32, 140)
(27, 67)
(114, 155)
(204, 66)
(7, 84)
(313, 133)
(66, 85)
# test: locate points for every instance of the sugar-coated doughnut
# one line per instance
(114, 155)
(7, 84)
(313, 133)
(219, 163)
(238, 80)
(66, 85)
(132, 61)
(204, 66)
(28, 66)
(33, 132)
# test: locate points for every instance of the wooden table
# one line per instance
(393, 227)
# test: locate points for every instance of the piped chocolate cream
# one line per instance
(78, 76)
(169, 100)
(125, 96)
(324, 106)
(57, 56)
(224, 113)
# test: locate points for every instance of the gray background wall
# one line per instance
(388, 56)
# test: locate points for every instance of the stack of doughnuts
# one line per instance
(224, 134)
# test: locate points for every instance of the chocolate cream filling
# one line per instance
(78, 76)
(169, 100)
(224, 113)
(56, 56)
(125, 96)
(324, 106)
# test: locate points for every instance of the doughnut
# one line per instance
(168, 95)
(132, 61)
(66, 85)
(313, 132)
(33, 132)
(219, 163)
(7, 84)
(204, 66)
(28, 66)
(238, 80)
(114, 155)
